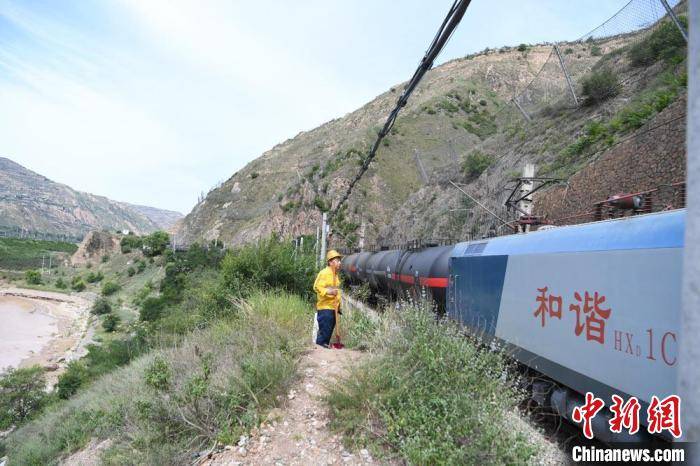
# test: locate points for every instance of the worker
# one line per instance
(327, 288)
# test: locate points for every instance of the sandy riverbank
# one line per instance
(41, 327)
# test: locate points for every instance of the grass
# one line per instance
(172, 402)
(429, 396)
(596, 134)
(20, 254)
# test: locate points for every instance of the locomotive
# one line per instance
(594, 307)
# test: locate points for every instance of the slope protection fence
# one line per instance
(558, 83)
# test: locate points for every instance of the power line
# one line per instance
(454, 16)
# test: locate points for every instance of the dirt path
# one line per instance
(298, 433)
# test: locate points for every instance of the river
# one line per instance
(26, 328)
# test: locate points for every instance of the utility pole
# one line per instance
(324, 233)
(316, 245)
(689, 351)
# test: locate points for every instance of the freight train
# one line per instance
(594, 307)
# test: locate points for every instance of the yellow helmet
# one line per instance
(332, 254)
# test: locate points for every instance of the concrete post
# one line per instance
(525, 187)
(689, 359)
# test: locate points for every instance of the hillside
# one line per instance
(30, 201)
(460, 125)
(164, 219)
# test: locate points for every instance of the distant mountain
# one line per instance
(165, 219)
(32, 202)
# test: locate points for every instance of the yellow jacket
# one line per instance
(326, 278)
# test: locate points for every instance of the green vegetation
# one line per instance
(77, 284)
(476, 163)
(130, 243)
(641, 109)
(33, 277)
(522, 47)
(430, 396)
(596, 51)
(156, 243)
(20, 254)
(22, 395)
(60, 284)
(665, 43)
(101, 306)
(110, 322)
(481, 124)
(268, 264)
(109, 288)
(214, 386)
(600, 85)
(93, 277)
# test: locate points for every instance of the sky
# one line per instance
(155, 101)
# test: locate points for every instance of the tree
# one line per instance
(476, 163)
(21, 395)
(33, 277)
(156, 243)
(101, 306)
(109, 288)
(600, 85)
(110, 322)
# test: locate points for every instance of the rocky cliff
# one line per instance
(459, 125)
(30, 201)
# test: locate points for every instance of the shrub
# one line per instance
(130, 242)
(109, 288)
(151, 309)
(105, 258)
(522, 47)
(431, 396)
(269, 263)
(483, 103)
(33, 277)
(22, 395)
(596, 51)
(254, 175)
(568, 51)
(77, 284)
(156, 243)
(73, 378)
(158, 374)
(600, 85)
(101, 306)
(476, 163)
(140, 266)
(321, 204)
(110, 322)
(93, 277)
(665, 43)
(60, 284)
(131, 271)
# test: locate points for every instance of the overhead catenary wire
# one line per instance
(454, 16)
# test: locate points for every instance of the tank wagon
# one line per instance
(594, 307)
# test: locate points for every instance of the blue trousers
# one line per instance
(326, 324)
